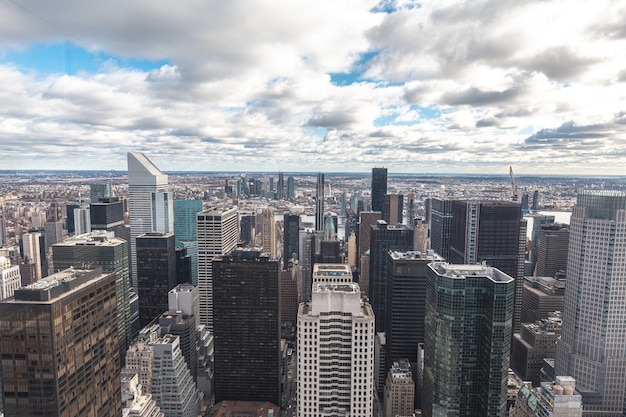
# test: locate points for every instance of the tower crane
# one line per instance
(513, 184)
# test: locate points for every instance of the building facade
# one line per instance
(379, 188)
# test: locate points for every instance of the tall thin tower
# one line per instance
(144, 179)
(218, 233)
(319, 202)
(592, 347)
(379, 188)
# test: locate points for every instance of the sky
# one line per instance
(440, 86)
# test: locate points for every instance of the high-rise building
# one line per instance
(558, 398)
(268, 231)
(379, 188)
(144, 179)
(10, 278)
(59, 347)
(291, 238)
(280, 188)
(162, 203)
(31, 254)
(173, 388)
(393, 205)
(469, 309)
(383, 239)
(246, 308)
(535, 205)
(186, 220)
(291, 188)
(319, 202)
(156, 273)
(493, 232)
(399, 390)
(98, 249)
(54, 232)
(248, 229)
(335, 353)
(592, 347)
(136, 401)
(536, 342)
(82, 221)
(106, 213)
(366, 220)
(440, 226)
(69, 221)
(98, 191)
(218, 233)
(406, 295)
(541, 296)
(552, 250)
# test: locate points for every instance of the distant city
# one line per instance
(280, 294)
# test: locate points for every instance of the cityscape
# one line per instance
(145, 293)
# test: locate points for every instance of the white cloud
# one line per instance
(247, 85)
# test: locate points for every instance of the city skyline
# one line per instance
(443, 87)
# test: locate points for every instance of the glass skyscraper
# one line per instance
(186, 230)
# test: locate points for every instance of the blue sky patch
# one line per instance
(69, 58)
(358, 69)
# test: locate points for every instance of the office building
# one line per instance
(393, 206)
(98, 191)
(536, 342)
(319, 202)
(247, 229)
(106, 213)
(186, 231)
(31, 255)
(592, 347)
(493, 232)
(10, 278)
(379, 188)
(54, 232)
(335, 353)
(535, 205)
(246, 297)
(218, 233)
(331, 273)
(135, 400)
(406, 295)
(144, 179)
(82, 221)
(558, 398)
(156, 273)
(469, 310)
(280, 188)
(173, 388)
(291, 238)
(552, 250)
(99, 249)
(383, 239)
(306, 260)
(541, 297)
(268, 231)
(162, 203)
(399, 390)
(289, 295)
(139, 359)
(183, 325)
(69, 220)
(366, 220)
(291, 188)
(440, 222)
(59, 347)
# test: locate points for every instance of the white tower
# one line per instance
(335, 353)
(218, 233)
(144, 179)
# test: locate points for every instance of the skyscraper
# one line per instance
(106, 213)
(335, 353)
(291, 188)
(493, 232)
(383, 239)
(218, 233)
(280, 188)
(162, 211)
(98, 249)
(156, 273)
(246, 308)
(552, 250)
(10, 278)
(468, 338)
(82, 221)
(399, 390)
(379, 188)
(291, 238)
(440, 222)
(59, 347)
(268, 231)
(319, 202)
(393, 205)
(144, 178)
(186, 230)
(98, 191)
(592, 347)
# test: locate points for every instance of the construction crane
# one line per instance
(513, 184)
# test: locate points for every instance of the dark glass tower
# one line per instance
(59, 347)
(291, 238)
(493, 232)
(246, 312)
(379, 188)
(384, 238)
(106, 213)
(156, 273)
(440, 226)
(467, 340)
(319, 202)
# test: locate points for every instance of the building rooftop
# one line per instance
(330, 287)
(55, 285)
(463, 271)
(415, 255)
(94, 238)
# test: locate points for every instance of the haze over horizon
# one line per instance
(439, 87)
